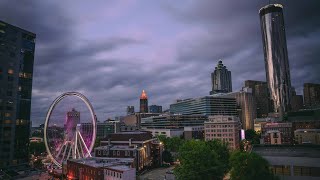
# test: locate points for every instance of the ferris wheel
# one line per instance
(68, 139)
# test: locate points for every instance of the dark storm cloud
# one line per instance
(233, 35)
(173, 60)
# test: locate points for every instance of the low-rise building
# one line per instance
(141, 146)
(165, 132)
(268, 131)
(292, 162)
(307, 136)
(101, 168)
(224, 128)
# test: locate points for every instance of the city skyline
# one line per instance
(115, 51)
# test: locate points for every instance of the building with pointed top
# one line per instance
(143, 102)
(221, 79)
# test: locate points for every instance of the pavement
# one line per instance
(155, 174)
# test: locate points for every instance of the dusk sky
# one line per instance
(111, 50)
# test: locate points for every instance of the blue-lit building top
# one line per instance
(207, 105)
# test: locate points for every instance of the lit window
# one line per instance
(10, 71)
(7, 114)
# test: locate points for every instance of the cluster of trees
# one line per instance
(36, 148)
(252, 136)
(213, 160)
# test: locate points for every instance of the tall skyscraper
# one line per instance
(260, 93)
(143, 102)
(276, 57)
(221, 79)
(130, 110)
(17, 48)
(311, 93)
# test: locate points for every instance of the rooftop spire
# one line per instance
(143, 95)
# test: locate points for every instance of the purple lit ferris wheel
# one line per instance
(69, 138)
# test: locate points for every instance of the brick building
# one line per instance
(141, 146)
(101, 168)
(284, 130)
(224, 128)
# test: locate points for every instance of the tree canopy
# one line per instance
(249, 166)
(202, 160)
(252, 136)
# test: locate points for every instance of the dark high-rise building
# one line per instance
(155, 109)
(276, 57)
(311, 93)
(221, 79)
(296, 101)
(143, 102)
(130, 110)
(17, 48)
(260, 93)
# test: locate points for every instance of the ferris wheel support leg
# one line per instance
(81, 149)
(75, 146)
(84, 144)
(64, 152)
(59, 153)
(69, 152)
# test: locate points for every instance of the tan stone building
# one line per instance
(307, 136)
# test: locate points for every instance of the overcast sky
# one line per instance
(111, 50)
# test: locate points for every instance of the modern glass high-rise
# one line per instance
(17, 48)
(276, 57)
(221, 79)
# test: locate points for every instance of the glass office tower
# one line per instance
(221, 79)
(16, 70)
(276, 57)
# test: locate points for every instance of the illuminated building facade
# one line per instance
(221, 79)
(17, 47)
(223, 128)
(276, 57)
(143, 102)
(247, 103)
(141, 146)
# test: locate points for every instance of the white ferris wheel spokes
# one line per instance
(75, 147)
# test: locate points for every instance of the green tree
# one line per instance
(97, 143)
(222, 151)
(249, 166)
(37, 148)
(252, 136)
(173, 144)
(199, 161)
(167, 156)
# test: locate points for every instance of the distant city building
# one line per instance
(208, 105)
(193, 132)
(101, 168)
(16, 72)
(103, 128)
(269, 130)
(155, 109)
(169, 132)
(276, 57)
(173, 121)
(311, 93)
(260, 93)
(247, 103)
(221, 79)
(296, 102)
(224, 128)
(291, 162)
(36, 139)
(130, 110)
(307, 136)
(143, 102)
(135, 119)
(259, 122)
(73, 118)
(305, 119)
(139, 145)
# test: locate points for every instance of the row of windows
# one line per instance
(220, 126)
(219, 130)
(113, 174)
(219, 135)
